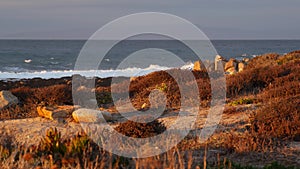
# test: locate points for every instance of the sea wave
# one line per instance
(128, 72)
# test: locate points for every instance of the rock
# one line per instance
(55, 112)
(218, 58)
(231, 71)
(144, 106)
(246, 60)
(219, 62)
(231, 63)
(241, 66)
(209, 66)
(231, 66)
(198, 66)
(90, 116)
(82, 88)
(7, 99)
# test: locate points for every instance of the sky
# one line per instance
(218, 19)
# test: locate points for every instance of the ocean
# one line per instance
(56, 58)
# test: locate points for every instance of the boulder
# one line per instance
(219, 58)
(91, 116)
(198, 66)
(231, 66)
(246, 60)
(7, 99)
(231, 71)
(219, 62)
(231, 63)
(55, 112)
(241, 66)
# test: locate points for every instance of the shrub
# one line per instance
(54, 95)
(292, 56)
(263, 61)
(104, 97)
(6, 146)
(162, 87)
(254, 80)
(140, 130)
(52, 143)
(278, 119)
(242, 101)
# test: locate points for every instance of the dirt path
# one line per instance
(31, 130)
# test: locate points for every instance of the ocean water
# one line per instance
(56, 58)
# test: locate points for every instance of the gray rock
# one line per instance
(7, 99)
(91, 116)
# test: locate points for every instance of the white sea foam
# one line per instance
(129, 72)
(188, 66)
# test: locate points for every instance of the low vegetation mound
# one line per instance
(140, 130)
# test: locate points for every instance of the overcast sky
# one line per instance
(219, 19)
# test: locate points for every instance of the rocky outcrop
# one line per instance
(219, 62)
(241, 66)
(231, 66)
(198, 66)
(7, 99)
(91, 116)
(55, 112)
(206, 65)
(246, 60)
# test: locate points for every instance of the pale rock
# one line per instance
(246, 60)
(90, 116)
(7, 99)
(82, 88)
(241, 66)
(219, 62)
(144, 106)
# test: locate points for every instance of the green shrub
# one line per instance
(275, 165)
(242, 101)
(162, 87)
(52, 143)
(78, 144)
(104, 98)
